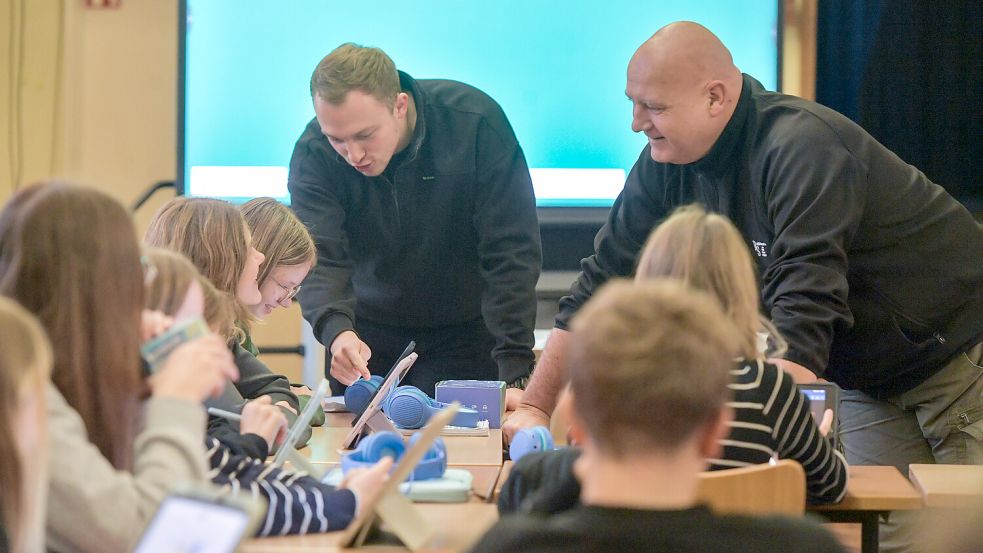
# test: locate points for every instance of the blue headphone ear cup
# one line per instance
(382, 444)
(358, 395)
(434, 462)
(528, 440)
(409, 407)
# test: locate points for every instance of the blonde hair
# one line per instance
(166, 292)
(70, 256)
(25, 366)
(354, 67)
(706, 251)
(279, 234)
(649, 364)
(213, 235)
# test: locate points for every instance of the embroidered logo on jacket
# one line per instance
(760, 248)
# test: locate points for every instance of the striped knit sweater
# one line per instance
(772, 419)
(297, 503)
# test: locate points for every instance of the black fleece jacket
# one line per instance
(446, 235)
(872, 273)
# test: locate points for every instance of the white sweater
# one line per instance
(94, 507)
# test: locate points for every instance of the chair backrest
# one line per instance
(756, 490)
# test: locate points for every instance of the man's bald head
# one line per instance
(685, 51)
(685, 87)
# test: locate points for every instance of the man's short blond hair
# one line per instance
(354, 67)
(650, 363)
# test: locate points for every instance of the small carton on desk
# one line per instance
(485, 396)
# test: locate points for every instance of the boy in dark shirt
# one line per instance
(649, 368)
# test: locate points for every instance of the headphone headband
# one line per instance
(374, 447)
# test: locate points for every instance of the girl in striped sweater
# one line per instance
(297, 503)
(772, 419)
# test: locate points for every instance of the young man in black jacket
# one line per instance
(650, 365)
(870, 271)
(418, 197)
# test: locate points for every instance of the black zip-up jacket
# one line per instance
(872, 273)
(452, 237)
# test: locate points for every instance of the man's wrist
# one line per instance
(512, 369)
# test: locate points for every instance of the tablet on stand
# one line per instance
(288, 447)
(393, 508)
(373, 418)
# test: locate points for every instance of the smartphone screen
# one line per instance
(188, 525)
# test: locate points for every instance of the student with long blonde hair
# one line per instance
(296, 503)
(25, 365)
(214, 236)
(70, 256)
(771, 417)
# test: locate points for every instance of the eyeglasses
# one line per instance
(291, 292)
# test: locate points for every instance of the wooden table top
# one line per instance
(458, 526)
(325, 442)
(873, 488)
(948, 485)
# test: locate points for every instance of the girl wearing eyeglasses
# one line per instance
(290, 255)
(289, 249)
(213, 234)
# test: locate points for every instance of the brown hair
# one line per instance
(649, 362)
(25, 365)
(279, 234)
(706, 251)
(167, 291)
(70, 255)
(213, 235)
(353, 67)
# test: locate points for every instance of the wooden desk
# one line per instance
(948, 486)
(871, 491)
(481, 456)
(325, 446)
(458, 526)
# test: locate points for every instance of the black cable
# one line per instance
(11, 96)
(282, 350)
(56, 108)
(19, 121)
(159, 185)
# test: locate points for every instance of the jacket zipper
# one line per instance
(392, 190)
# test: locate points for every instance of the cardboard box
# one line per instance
(485, 396)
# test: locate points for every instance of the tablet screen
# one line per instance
(817, 402)
(188, 525)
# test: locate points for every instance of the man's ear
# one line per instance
(402, 105)
(717, 96)
(577, 433)
(715, 430)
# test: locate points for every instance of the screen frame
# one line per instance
(548, 215)
(251, 509)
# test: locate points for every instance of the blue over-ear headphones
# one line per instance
(358, 395)
(528, 440)
(374, 447)
(409, 407)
